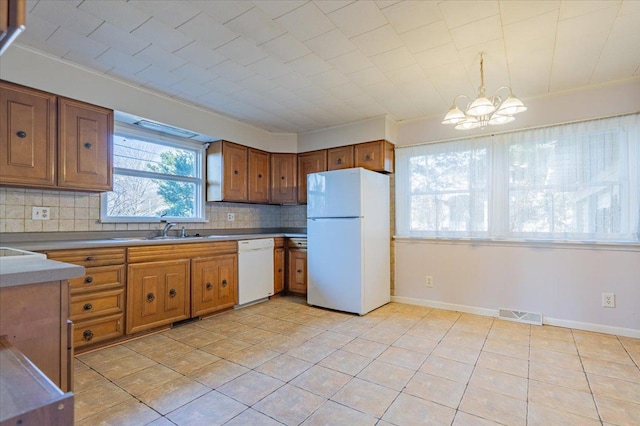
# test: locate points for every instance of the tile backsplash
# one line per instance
(80, 211)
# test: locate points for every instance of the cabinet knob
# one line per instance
(209, 286)
(339, 161)
(367, 157)
(89, 258)
(87, 145)
(21, 134)
(235, 172)
(87, 306)
(172, 292)
(88, 280)
(87, 335)
(282, 177)
(259, 176)
(150, 297)
(224, 283)
(299, 271)
(279, 269)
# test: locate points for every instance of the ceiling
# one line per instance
(297, 66)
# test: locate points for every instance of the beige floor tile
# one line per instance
(499, 382)
(224, 348)
(544, 342)
(552, 332)
(281, 343)
(277, 325)
(162, 421)
(171, 395)
(250, 387)
(562, 398)
(256, 335)
(252, 357)
(399, 322)
(464, 419)
(614, 388)
(444, 314)
(168, 351)
(321, 381)
(79, 365)
(105, 356)
(381, 335)
(500, 324)
(510, 336)
(131, 412)
(582, 337)
(290, 405)
(506, 348)
(252, 417)
(346, 362)
(191, 361)
(541, 415)
(351, 328)
(493, 406)
(142, 381)
(555, 359)
(332, 339)
(250, 320)
(415, 343)
(410, 410)
(305, 333)
(618, 412)
(367, 397)
(385, 374)
(614, 352)
(456, 353)
(436, 389)
(559, 376)
(284, 367)
(218, 373)
(97, 399)
(447, 369)
(212, 408)
(331, 413)
(506, 364)
(611, 369)
(196, 336)
(311, 352)
(403, 357)
(427, 332)
(86, 379)
(365, 347)
(148, 344)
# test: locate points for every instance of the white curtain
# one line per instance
(575, 182)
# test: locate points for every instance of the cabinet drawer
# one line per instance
(297, 243)
(98, 330)
(377, 156)
(98, 278)
(91, 305)
(89, 257)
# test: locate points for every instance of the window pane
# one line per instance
(140, 196)
(134, 154)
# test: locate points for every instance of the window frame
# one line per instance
(150, 136)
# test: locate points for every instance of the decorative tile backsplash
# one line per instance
(80, 211)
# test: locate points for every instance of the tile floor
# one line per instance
(282, 362)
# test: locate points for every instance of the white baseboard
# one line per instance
(586, 326)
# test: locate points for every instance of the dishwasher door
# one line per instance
(255, 270)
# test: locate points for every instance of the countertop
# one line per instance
(37, 270)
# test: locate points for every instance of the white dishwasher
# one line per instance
(255, 270)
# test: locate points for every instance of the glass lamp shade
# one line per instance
(511, 105)
(468, 124)
(454, 116)
(481, 106)
(500, 119)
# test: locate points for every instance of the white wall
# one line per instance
(34, 69)
(347, 134)
(564, 284)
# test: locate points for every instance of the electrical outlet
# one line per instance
(428, 281)
(40, 213)
(231, 217)
(608, 300)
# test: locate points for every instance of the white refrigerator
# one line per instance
(348, 240)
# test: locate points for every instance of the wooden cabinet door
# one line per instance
(340, 158)
(27, 136)
(297, 271)
(278, 270)
(283, 178)
(157, 294)
(214, 284)
(377, 156)
(309, 162)
(85, 146)
(234, 169)
(258, 176)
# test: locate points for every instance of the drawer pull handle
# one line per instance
(299, 271)
(224, 283)
(150, 297)
(172, 293)
(235, 172)
(89, 258)
(88, 145)
(209, 286)
(21, 134)
(259, 176)
(88, 280)
(87, 306)
(87, 335)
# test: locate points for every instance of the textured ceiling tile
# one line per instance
(378, 41)
(286, 47)
(172, 12)
(194, 73)
(586, 24)
(351, 62)
(124, 63)
(575, 60)
(160, 58)
(410, 74)
(409, 15)
(162, 35)
(331, 44)
(520, 10)
(394, 59)
(528, 30)
(38, 29)
(367, 77)
(206, 30)
(277, 8)
(292, 81)
(159, 76)
(224, 86)
(241, 51)
(427, 37)
(615, 63)
(574, 8)
(222, 10)
(257, 83)
(477, 32)
(200, 54)
(358, 18)
(76, 43)
(269, 68)
(87, 61)
(309, 65)
(190, 90)
(232, 71)
(346, 91)
(330, 6)
(458, 13)
(306, 22)
(67, 15)
(329, 79)
(118, 13)
(256, 25)
(119, 39)
(440, 55)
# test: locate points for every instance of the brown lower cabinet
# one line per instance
(296, 266)
(278, 266)
(213, 284)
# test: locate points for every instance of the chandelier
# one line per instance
(484, 111)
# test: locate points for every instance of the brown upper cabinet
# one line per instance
(309, 162)
(283, 178)
(340, 158)
(258, 176)
(376, 156)
(40, 131)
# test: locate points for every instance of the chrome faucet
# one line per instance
(167, 227)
